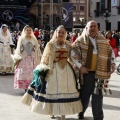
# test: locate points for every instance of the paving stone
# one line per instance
(12, 109)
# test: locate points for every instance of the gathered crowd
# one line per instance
(60, 70)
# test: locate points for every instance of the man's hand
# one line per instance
(83, 69)
(112, 68)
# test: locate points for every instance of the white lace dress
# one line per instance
(6, 62)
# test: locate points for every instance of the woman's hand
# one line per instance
(75, 57)
(75, 67)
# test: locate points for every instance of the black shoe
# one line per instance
(80, 116)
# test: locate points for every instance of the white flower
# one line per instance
(16, 57)
(42, 67)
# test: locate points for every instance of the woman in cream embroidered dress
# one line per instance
(6, 61)
(26, 58)
(60, 95)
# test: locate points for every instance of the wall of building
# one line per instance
(113, 19)
(79, 15)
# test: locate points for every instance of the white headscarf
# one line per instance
(17, 55)
(55, 33)
(8, 33)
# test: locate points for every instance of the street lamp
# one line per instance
(107, 14)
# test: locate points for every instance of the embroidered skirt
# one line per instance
(57, 95)
(24, 71)
(6, 62)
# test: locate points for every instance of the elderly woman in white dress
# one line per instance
(27, 56)
(57, 93)
(6, 61)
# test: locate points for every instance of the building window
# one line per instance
(82, 7)
(118, 8)
(109, 4)
(82, 13)
(74, 13)
(98, 5)
(97, 11)
(118, 25)
(82, 21)
(74, 19)
(98, 25)
(81, 18)
(74, 7)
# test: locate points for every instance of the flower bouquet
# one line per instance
(37, 85)
(40, 73)
(16, 60)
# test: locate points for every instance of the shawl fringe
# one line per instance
(101, 87)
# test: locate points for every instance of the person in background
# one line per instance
(58, 93)
(68, 36)
(79, 33)
(116, 36)
(51, 33)
(27, 56)
(96, 64)
(112, 40)
(36, 32)
(6, 49)
(12, 26)
(45, 37)
(73, 38)
(17, 26)
(41, 45)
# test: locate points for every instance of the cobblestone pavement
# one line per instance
(12, 109)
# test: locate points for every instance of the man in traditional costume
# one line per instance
(57, 93)
(96, 64)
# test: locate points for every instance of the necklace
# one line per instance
(60, 43)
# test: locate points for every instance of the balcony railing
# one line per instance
(98, 13)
